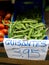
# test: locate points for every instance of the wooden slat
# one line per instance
(2, 49)
(25, 62)
(4, 0)
(48, 52)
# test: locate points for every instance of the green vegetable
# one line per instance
(30, 32)
(27, 29)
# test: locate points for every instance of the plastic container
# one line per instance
(21, 6)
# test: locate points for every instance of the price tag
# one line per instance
(26, 49)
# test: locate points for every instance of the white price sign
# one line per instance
(26, 49)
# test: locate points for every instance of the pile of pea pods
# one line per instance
(27, 29)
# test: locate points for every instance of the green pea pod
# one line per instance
(33, 21)
(37, 35)
(30, 32)
(38, 25)
(17, 36)
(22, 25)
(22, 31)
(10, 30)
(43, 36)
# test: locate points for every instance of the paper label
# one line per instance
(26, 49)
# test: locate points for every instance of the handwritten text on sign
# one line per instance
(26, 49)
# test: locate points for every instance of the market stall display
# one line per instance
(23, 28)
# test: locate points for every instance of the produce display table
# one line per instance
(5, 59)
(8, 61)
